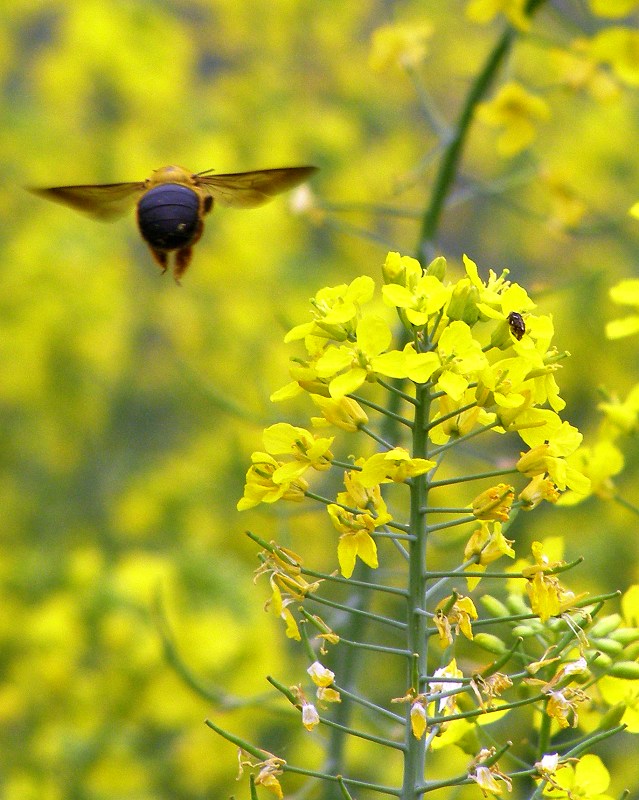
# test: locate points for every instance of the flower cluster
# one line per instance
(483, 358)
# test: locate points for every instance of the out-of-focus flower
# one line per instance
(579, 70)
(516, 112)
(613, 8)
(399, 45)
(484, 11)
(625, 293)
(619, 48)
(588, 779)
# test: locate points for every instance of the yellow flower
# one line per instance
(494, 503)
(488, 777)
(489, 543)
(336, 310)
(401, 45)
(320, 675)
(262, 485)
(356, 527)
(446, 705)
(619, 48)
(588, 779)
(344, 412)
(579, 70)
(418, 718)
(483, 11)
(310, 717)
(267, 776)
(548, 598)
(625, 293)
(461, 357)
(539, 488)
(621, 416)
(460, 615)
(307, 450)
(515, 111)
(613, 8)
(394, 465)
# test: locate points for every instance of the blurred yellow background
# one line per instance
(130, 405)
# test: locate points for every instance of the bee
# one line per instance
(517, 324)
(172, 203)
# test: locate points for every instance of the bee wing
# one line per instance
(105, 202)
(250, 189)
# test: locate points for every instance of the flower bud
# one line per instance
(437, 268)
(494, 606)
(606, 625)
(490, 642)
(629, 670)
(625, 635)
(608, 646)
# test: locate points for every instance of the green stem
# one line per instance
(417, 641)
(449, 164)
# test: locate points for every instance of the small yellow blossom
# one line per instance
(336, 310)
(320, 675)
(344, 412)
(458, 615)
(516, 112)
(490, 779)
(262, 485)
(399, 45)
(484, 11)
(394, 465)
(618, 47)
(580, 71)
(621, 416)
(539, 488)
(548, 598)
(310, 717)
(599, 464)
(588, 779)
(305, 449)
(487, 689)
(489, 543)
(562, 706)
(418, 718)
(494, 503)
(446, 705)
(327, 695)
(267, 776)
(625, 293)
(613, 8)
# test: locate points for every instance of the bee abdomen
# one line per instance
(168, 216)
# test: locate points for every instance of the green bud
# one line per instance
(494, 606)
(608, 646)
(501, 338)
(526, 631)
(628, 670)
(631, 653)
(517, 604)
(602, 661)
(490, 642)
(625, 635)
(437, 267)
(612, 717)
(463, 302)
(606, 625)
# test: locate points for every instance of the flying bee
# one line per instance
(172, 203)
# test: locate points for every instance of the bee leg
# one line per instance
(182, 261)
(161, 258)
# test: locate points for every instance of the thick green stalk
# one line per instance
(449, 164)
(417, 641)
